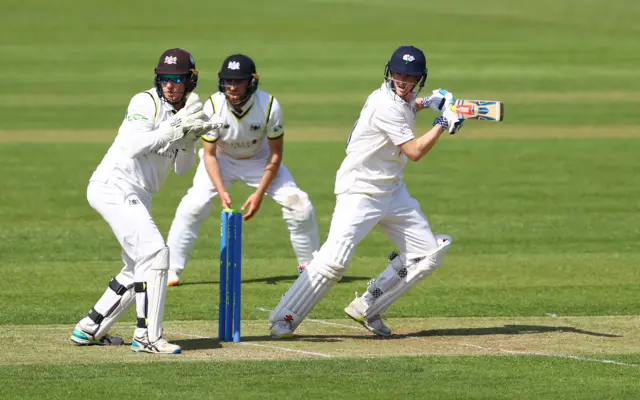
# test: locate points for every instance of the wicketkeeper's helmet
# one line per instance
(177, 62)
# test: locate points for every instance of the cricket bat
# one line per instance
(479, 109)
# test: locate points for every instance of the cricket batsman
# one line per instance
(370, 191)
(158, 134)
(247, 148)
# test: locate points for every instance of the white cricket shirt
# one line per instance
(245, 135)
(133, 156)
(374, 163)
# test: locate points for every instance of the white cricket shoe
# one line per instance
(355, 311)
(160, 346)
(281, 330)
(173, 278)
(82, 338)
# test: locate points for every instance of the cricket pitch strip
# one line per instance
(598, 338)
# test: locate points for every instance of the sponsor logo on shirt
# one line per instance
(240, 145)
(167, 154)
(136, 117)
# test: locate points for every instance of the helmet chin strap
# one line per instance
(240, 103)
(176, 103)
(414, 91)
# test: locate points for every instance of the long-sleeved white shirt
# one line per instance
(135, 155)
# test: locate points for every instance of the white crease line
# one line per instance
(57, 328)
(311, 353)
(319, 321)
(189, 335)
(531, 353)
(475, 346)
(551, 355)
(287, 349)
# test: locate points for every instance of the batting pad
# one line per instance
(415, 272)
(157, 277)
(312, 285)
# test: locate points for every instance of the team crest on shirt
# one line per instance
(254, 127)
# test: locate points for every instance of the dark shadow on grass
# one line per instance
(504, 330)
(501, 330)
(198, 344)
(211, 343)
(272, 280)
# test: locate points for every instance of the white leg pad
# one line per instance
(157, 277)
(390, 289)
(300, 217)
(325, 270)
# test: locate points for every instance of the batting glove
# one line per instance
(437, 100)
(449, 122)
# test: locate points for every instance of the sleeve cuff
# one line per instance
(278, 135)
(206, 139)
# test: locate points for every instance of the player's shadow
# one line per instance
(214, 343)
(504, 330)
(499, 330)
(198, 344)
(272, 280)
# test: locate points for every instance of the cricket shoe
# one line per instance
(82, 338)
(356, 310)
(173, 278)
(301, 269)
(160, 346)
(281, 330)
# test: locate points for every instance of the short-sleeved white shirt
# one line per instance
(245, 136)
(374, 163)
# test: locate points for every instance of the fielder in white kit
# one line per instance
(247, 148)
(370, 191)
(158, 134)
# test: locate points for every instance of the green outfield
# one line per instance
(539, 297)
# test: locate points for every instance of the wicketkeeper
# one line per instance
(158, 134)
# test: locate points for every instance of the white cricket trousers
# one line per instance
(397, 213)
(195, 206)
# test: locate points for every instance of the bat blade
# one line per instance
(486, 110)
